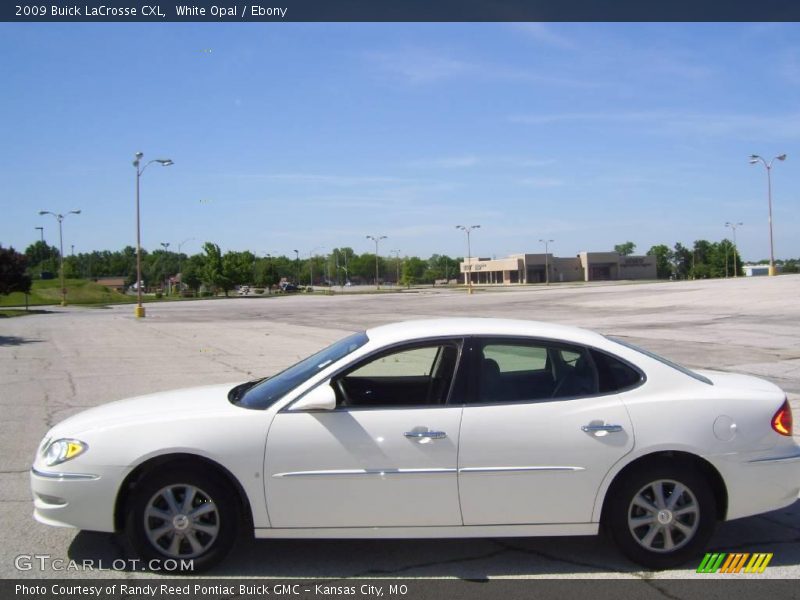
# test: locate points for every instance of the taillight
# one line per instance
(782, 420)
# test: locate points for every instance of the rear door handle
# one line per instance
(606, 428)
(436, 435)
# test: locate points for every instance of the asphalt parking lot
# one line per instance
(58, 363)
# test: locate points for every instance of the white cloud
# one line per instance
(545, 35)
(418, 66)
(737, 126)
(342, 180)
(541, 182)
(458, 162)
(448, 162)
(789, 66)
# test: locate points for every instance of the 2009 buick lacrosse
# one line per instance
(439, 428)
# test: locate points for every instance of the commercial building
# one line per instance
(759, 270)
(539, 268)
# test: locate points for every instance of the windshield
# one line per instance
(265, 392)
(663, 360)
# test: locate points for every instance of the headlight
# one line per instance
(60, 451)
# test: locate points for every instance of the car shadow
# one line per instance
(12, 340)
(468, 559)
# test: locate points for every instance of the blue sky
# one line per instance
(312, 136)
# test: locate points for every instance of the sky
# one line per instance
(312, 136)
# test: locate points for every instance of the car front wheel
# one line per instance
(661, 516)
(182, 520)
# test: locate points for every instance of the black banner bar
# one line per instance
(399, 10)
(731, 588)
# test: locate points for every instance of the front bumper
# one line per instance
(82, 500)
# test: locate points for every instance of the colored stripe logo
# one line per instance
(734, 563)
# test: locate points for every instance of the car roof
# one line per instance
(428, 328)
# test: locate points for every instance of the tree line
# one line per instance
(704, 260)
(223, 272)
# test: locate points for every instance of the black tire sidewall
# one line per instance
(621, 495)
(214, 486)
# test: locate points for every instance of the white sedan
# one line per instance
(432, 429)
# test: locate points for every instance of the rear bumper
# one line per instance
(761, 484)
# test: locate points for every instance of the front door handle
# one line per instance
(598, 428)
(436, 435)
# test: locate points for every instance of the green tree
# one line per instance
(681, 259)
(42, 257)
(213, 272)
(413, 270)
(238, 268)
(702, 255)
(725, 259)
(441, 267)
(192, 274)
(158, 266)
(663, 267)
(790, 265)
(625, 249)
(13, 272)
(362, 266)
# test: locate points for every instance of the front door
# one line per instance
(385, 457)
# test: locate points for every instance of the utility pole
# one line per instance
(467, 229)
(546, 262)
(376, 239)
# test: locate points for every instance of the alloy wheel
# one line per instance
(663, 516)
(181, 521)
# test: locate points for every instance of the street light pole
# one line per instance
(268, 256)
(59, 217)
(311, 263)
(180, 267)
(41, 230)
(397, 265)
(297, 266)
(755, 158)
(546, 261)
(376, 239)
(467, 229)
(735, 263)
(165, 245)
(344, 268)
(164, 162)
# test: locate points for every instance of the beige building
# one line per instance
(539, 268)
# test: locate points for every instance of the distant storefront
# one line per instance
(758, 270)
(539, 268)
(115, 283)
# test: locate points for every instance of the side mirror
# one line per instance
(321, 397)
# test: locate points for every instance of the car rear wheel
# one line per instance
(183, 520)
(660, 516)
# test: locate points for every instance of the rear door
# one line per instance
(537, 437)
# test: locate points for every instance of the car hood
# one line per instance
(205, 401)
(739, 382)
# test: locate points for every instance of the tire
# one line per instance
(661, 515)
(162, 527)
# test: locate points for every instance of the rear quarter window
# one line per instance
(613, 374)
